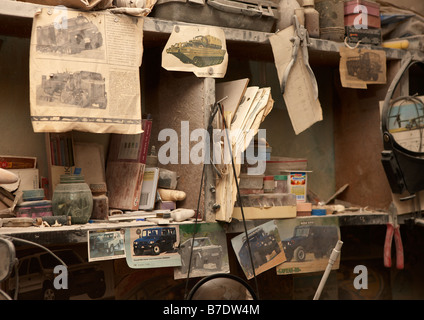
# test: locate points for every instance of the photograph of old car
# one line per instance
(35, 277)
(259, 250)
(105, 245)
(155, 240)
(201, 251)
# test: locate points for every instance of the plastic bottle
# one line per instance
(311, 18)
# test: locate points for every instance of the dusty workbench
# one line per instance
(78, 233)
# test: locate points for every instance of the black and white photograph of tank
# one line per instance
(83, 89)
(366, 66)
(75, 35)
(201, 51)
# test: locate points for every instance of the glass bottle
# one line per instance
(311, 18)
(72, 197)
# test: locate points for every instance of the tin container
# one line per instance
(331, 19)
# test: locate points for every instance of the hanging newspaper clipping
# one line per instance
(84, 71)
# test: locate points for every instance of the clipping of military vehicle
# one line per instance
(84, 89)
(201, 51)
(365, 67)
(72, 36)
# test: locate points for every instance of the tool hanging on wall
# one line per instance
(393, 230)
(300, 39)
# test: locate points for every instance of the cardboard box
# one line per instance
(28, 179)
(304, 209)
(252, 213)
(298, 184)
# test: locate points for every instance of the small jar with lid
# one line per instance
(269, 185)
(281, 184)
(72, 197)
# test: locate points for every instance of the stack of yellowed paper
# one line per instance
(243, 123)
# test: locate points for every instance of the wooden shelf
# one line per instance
(16, 20)
(78, 233)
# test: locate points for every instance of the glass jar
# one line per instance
(72, 197)
(281, 184)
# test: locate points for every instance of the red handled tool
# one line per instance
(393, 230)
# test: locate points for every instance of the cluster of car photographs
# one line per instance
(284, 245)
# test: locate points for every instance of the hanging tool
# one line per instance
(300, 38)
(393, 229)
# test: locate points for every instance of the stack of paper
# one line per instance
(243, 123)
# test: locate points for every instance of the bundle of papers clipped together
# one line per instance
(245, 108)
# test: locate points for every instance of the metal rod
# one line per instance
(333, 257)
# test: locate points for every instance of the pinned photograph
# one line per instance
(203, 251)
(359, 67)
(307, 244)
(262, 247)
(105, 245)
(152, 246)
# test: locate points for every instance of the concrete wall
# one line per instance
(316, 144)
(17, 136)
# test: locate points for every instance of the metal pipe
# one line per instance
(333, 257)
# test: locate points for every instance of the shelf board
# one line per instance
(78, 233)
(66, 234)
(16, 20)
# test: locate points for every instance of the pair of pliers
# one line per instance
(393, 229)
(300, 38)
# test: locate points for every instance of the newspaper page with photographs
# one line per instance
(84, 71)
